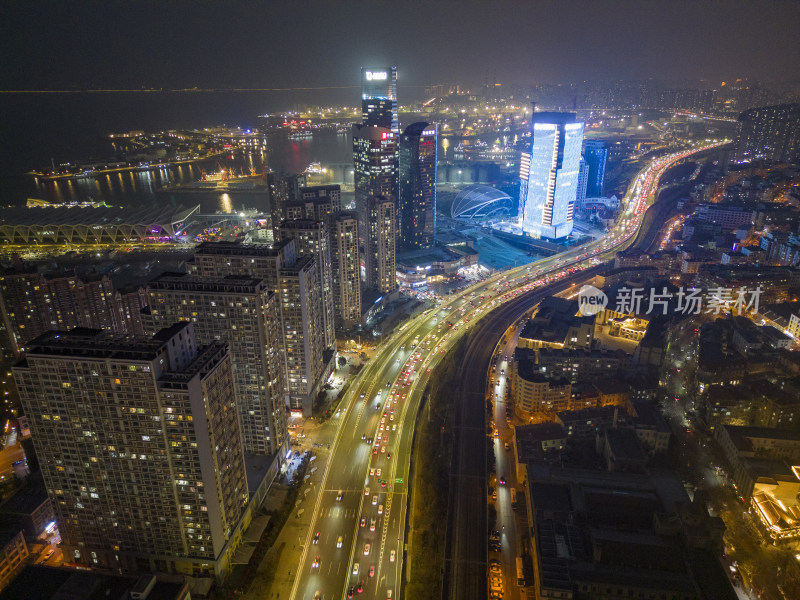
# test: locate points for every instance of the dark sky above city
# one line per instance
(318, 43)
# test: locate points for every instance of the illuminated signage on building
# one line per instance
(375, 75)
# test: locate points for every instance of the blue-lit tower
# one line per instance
(596, 155)
(549, 174)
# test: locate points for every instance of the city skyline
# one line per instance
(471, 301)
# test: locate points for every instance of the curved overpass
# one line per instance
(406, 373)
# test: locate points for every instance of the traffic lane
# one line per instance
(335, 518)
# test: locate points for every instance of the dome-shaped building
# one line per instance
(480, 202)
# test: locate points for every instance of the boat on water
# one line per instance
(481, 151)
(301, 134)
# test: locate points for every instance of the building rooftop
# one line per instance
(624, 444)
(238, 284)
(240, 249)
(589, 414)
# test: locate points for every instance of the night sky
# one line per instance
(302, 43)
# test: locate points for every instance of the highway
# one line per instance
(387, 416)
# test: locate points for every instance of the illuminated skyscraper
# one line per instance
(379, 97)
(139, 444)
(417, 191)
(379, 244)
(549, 174)
(375, 165)
(595, 154)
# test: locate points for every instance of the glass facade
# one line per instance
(379, 97)
(549, 175)
(417, 201)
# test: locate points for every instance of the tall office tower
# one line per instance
(303, 335)
(139, 443)
(583, 180)
(379, 97)
(417, 193)
(319, 202)
(300, 305)
(769, 133)
(241, 310)
(379, 244)
(346, 268)
(283, 189)
(32, 303)
(374, 165)
(312, 238)
(596, 155)
(549, 174)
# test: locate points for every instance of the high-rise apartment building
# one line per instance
(312, 238)
(379, 97)
(219, 259)
(379, 244)
(417, 189)
(283, 190)
(769, 133)
(243, 311)
(299, 302)
(140, 448)
(375, 165)
(303, 335)
(324, 203)
(319, 202)
(595, 154)
(346, 269)
(549, 174)
(32, 303)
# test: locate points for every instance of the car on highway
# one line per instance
(372, 472)
(372, 570)
(380, 509)
(363, 521)
(355, 569)
(339, 542)
(392, 556)
(316, 538)
(315, 564)
(317, 595)
(389, 455)
(378, 472)
(366, 491)
(375, 500)
(372, 525)
(367, 548)
(49, 553)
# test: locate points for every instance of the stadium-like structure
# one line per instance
(95, 225)
(481, 202)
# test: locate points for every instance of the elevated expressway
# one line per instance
(394, 380)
